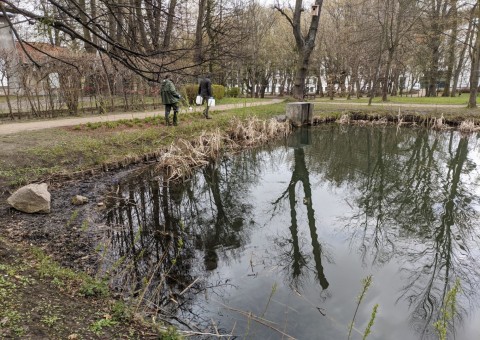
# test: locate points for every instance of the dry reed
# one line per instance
(344, 119)
(182, 156)
(468, 126)
(439, 124)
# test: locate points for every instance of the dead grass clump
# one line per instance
(183, 157)
(344, 119)
(468, 126)
(257, 132)
(381, 121)
(439, 124)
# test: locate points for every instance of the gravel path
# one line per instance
(12, 128)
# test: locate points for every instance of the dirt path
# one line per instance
(12, 128)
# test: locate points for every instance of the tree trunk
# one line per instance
(169, 29)
(153, 14)
(387, 75)
(474, 73)
(300, 76)
(140, 23)
(451, 50)
(199, 32)
(86, 32)
(330, 86)
(461, 58)
(373, 88)
(320, 86)
(438, 10)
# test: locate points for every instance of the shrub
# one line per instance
(233, 92)
(218, 91)
(190, 91)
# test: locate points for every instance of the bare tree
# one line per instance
(304, 43)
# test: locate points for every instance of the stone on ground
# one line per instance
(31, 198)
(79, 200)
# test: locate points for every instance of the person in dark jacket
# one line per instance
(205, 90)
(170, 98)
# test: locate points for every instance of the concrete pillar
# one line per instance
(300, 113)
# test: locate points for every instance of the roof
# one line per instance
(39, 51)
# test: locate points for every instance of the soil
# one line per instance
(33, 306)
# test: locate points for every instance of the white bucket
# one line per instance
(211, 101)
(199, 100)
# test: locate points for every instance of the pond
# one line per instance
(275, 242)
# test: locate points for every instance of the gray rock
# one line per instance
(31, 198)
(79, 200)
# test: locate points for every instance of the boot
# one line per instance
(205, 113)
(175, 123)
(167, 121)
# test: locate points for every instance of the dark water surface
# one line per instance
(288, 232)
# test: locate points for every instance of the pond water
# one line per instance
(275, 242)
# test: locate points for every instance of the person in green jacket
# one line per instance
(170, 98)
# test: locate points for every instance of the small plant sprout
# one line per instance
(370, 323)
(50, 320)
(366, 282)
(272, 292)
(448, 311)
(98, 326)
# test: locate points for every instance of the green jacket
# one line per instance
(168, 92)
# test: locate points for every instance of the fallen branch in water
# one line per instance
(259, 320)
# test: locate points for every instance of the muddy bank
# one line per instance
(69, 232)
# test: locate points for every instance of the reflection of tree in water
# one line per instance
(159, 229)
(291, 258)
(411, 204)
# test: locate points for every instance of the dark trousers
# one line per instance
(205, 101)
(168, 108)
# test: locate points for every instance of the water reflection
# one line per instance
(414, 200)
(406, 199)
(294, 258)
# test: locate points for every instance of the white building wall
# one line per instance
(8, 52)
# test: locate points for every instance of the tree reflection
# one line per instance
(158, 229)
(294, 261)
(409, 202)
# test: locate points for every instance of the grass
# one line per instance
(229, 100)
(80, 283)
(414, 99)
(39, 154)
(33, 305)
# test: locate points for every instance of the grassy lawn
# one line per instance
(29, 156)
(35, 155)
(462, 100)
